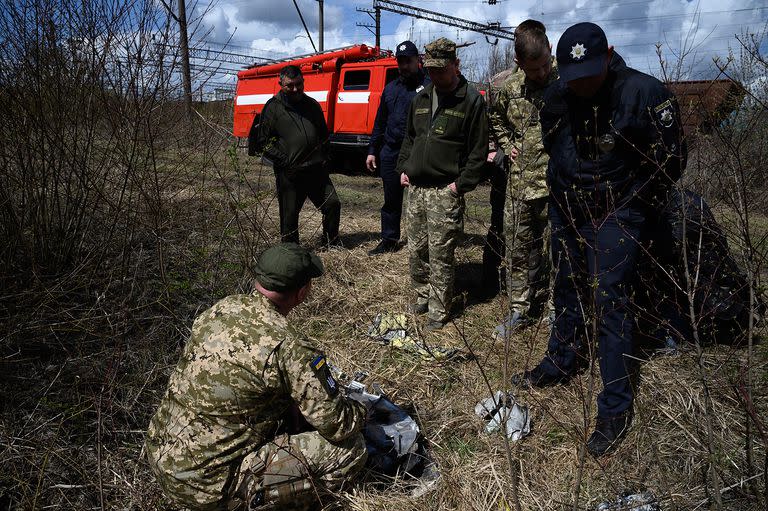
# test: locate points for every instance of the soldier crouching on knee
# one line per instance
(252, 415)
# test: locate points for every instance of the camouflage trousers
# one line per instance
(435, 220)
(527, 255)
(296, 471)
(292, 471)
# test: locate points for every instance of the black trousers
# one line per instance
(493, 250)
(392, 209)
(596, 263)
(293, 188)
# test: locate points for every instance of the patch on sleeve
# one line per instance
(320, 367)
(421, 111)
(664, 113)
(666, 104)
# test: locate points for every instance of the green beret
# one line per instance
(287, 266)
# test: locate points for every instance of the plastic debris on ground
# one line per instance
(642, 501)
(392, 329)
(502, 410)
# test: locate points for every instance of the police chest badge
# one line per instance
(606, 143)
(578, 51)
(320, 367)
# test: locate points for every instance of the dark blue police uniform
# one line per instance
(386, 139)
(613, 157)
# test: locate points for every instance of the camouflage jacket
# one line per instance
(241, 371)
(514, 123)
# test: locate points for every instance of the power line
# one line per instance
(214, 54)
(661, 17)
(610, 36)
(215, 69)
(489, 29)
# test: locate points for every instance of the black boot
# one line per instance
(538, 377)
(608, 434)
(383, 247)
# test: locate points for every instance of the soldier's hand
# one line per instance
(370, 163)
(513, 153)
(404, 181)
(491, 156)
(452, 186)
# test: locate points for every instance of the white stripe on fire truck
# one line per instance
(321, 96)
(354, 97)
(253, 99)
(261, 99)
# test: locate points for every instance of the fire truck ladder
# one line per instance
(298, 57)
(489, 29)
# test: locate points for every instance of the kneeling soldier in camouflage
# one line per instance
(252, 414)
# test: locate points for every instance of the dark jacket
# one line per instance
(389, 126)
(292, 136)
(627, 140)
(451, 145)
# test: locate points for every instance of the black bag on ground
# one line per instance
(385, 456)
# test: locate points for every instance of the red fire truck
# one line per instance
(347, 83)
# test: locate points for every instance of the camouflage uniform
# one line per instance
(514, 124)
(219, 433)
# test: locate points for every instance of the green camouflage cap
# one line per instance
(439, 53)
(287, 266)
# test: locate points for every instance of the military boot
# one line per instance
(608, 434)
(384, 246)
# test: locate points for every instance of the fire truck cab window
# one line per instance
(392, 74)
(357, 80)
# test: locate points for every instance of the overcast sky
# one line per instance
(703, 29)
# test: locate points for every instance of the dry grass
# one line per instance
(82, 374)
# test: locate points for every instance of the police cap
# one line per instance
(287, 266)
(439, 53)
(581, 51)
(406, 49)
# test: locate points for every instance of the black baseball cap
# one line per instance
(581, 51)
(287, 266)
(406, 49)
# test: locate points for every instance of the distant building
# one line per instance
(705, 104)
(219, 94)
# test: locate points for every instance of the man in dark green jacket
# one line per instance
(293, 135)
(442, 158)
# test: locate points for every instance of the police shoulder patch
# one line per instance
(422, 111)
(320, 367)
(662, 106)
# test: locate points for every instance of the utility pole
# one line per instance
(320, 45)
(184, 46)
(375, 15)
